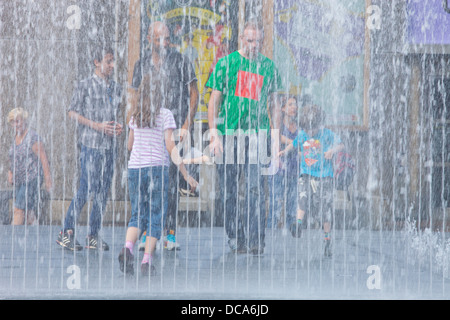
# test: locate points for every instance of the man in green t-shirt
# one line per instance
(242, 84)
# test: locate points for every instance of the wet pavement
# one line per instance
(364, 265)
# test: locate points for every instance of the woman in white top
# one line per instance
(152, 147)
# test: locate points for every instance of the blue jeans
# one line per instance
(148, 189)
(97, 169)
(283, 192)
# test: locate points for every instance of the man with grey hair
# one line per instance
(180, 86)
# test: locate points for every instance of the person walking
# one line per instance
(243, 83)
(317, 145)
(152, 146)
(28, 160)
(95, 109)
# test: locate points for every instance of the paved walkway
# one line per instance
(365, 265)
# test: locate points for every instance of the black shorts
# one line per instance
(315, 197)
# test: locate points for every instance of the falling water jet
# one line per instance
(399, 194)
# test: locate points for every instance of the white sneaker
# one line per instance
(170, 243)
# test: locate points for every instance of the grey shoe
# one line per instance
(327, 250)
(126, 261)
(257, 251)
(232, 243)
(148, 269)
(237, 247)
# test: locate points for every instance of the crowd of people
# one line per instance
(247, 96)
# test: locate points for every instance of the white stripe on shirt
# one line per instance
(149, 147)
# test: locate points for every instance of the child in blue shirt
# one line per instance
(317, 145)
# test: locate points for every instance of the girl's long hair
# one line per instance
(150, 100)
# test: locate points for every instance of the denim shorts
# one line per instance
(148, 189)
(27, 195)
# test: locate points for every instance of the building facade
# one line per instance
(400, 138)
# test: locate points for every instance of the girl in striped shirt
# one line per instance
(152, 148)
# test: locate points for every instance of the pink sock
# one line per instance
(129, 245)
(146, 258)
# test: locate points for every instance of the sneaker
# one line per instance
(67, 240)
(148, 269)
(237, 248)
(327, 250)
(232, 243)
(126, 261)
(95, 242)
(170, 242)
(187, 193)
(142, 243)
(256, 251)
(296, 230)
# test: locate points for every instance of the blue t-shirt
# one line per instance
(312, 148)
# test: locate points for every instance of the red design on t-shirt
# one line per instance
(249, 85)
(311, 151)
(309, 162)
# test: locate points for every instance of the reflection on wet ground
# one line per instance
(364, 265)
